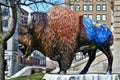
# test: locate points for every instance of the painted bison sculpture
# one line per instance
(59, 34)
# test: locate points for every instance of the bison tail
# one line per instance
(111, 38)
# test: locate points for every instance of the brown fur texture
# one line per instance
(58, 34)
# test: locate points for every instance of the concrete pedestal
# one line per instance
(81, 77)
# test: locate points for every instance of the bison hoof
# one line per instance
(62, 72)
(82, 72)
(109, 72)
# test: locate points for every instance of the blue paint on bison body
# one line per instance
(95, 30)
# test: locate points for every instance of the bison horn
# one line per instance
(29, 21)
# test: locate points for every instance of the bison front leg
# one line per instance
(62, 70)
(64, 63)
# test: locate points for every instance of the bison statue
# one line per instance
(59, 34)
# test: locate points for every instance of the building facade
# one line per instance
(116, 65)
(94, 9)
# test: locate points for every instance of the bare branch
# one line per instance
(5, 5)
(35, 2)
(36, 6)
(1, 20)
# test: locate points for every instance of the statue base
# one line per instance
(80, 77)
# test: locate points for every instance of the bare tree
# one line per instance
(41, 5)
(4, 36)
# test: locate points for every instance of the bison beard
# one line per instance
(58, 34)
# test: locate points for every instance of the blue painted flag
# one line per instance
(95, 30)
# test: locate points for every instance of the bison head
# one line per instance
(25, 40)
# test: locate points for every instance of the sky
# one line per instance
(43, 7)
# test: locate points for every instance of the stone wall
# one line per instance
(116, 54)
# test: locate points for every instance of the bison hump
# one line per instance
(63, 22)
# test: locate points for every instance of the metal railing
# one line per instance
(33, 61)
(79, 56)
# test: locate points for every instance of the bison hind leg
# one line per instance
(105, 48)
(92, 55)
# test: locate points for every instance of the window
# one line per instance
(71, 0)
(104, 17)
(98, 0)
(98, 17)
(77, 7)
(91, 0)
(104, 7)
(98, 7)
(90, 7)
(72, 7)
(104, 0)
(84, 7)
(5, 12)
(85, 15)
(85, 0)
(90, 16)
(5, 23)
(77, 0)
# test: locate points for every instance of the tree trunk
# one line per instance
(5, 36)
(2, 74)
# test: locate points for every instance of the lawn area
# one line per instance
(31, 77)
